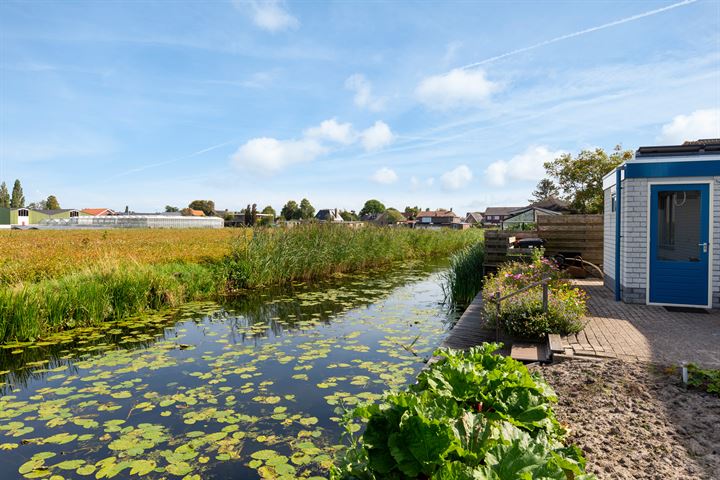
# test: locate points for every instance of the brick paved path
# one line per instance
(642, 332)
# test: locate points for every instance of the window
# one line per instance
(678, 225)
(613, 200)
(23, 212)
(74, 213)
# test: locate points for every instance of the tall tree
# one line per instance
(545, 189)
(4, 196)
(268, 211)
(247, 215)
(290, 210)
(207, 206)
(18, 199)
(52, 203)
(253, 214)
(580, 177)
(307, 211)
(372, 207)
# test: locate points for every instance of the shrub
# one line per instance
(471, 415)
(523, 315)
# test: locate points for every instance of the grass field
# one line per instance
(34, 255)
(53, 280)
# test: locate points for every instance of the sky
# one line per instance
(439, 104)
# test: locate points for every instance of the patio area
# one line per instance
(645, 333)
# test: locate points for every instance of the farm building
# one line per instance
(662, 226)
(30, 216)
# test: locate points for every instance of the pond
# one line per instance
(252, 389)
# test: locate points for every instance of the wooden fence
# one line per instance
(568, 235)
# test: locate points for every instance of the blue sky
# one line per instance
(436, 104)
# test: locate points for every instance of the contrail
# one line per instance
(581, 32)
(166, 162)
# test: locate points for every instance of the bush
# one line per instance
(523, 315)
(471, 415)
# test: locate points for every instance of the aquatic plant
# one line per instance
(464, 279)
(471, 415)
(212, 393)
(116, 288)
(307, 252)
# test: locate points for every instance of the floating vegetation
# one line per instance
(252, 390)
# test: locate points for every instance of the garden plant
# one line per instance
(472, 415)
(523, 315)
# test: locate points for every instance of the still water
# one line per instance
(251, 389)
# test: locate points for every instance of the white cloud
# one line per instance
(269, 155)
(364, 97)
(377, 136)
(385, 175)
(271, 15)
(526, 166)
(699, 124)
(456, 178)
(457, 88)
(333, 131)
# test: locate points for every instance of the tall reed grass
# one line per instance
(111, 290)
(464, 279)
(273, 257)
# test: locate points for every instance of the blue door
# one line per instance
(679, 244)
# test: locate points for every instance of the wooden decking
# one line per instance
(471, 329)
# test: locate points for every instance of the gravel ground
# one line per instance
(637, 421)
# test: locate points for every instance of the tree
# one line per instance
(253, 214)
(268, 211)
(392, 216)
(170, 208)
(349, 216)
(52, 203)
(290, 210)
(544, 190)
(18, 199)
(372, 207)
(307, 211)
(4, 196)
(207, 206)
(411, 212)
(247, 215)
(580, 177)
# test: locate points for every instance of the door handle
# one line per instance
(704, 247)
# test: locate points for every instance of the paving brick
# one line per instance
(644, 333)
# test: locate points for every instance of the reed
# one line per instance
(273, 257)
(464, 279)
(116, 288)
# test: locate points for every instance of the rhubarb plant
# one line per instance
(472, 415)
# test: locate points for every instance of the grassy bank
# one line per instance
(464, 280)
(118, 287)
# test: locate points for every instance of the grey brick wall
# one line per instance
(633, 244)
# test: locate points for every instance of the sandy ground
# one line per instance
(637, 421)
